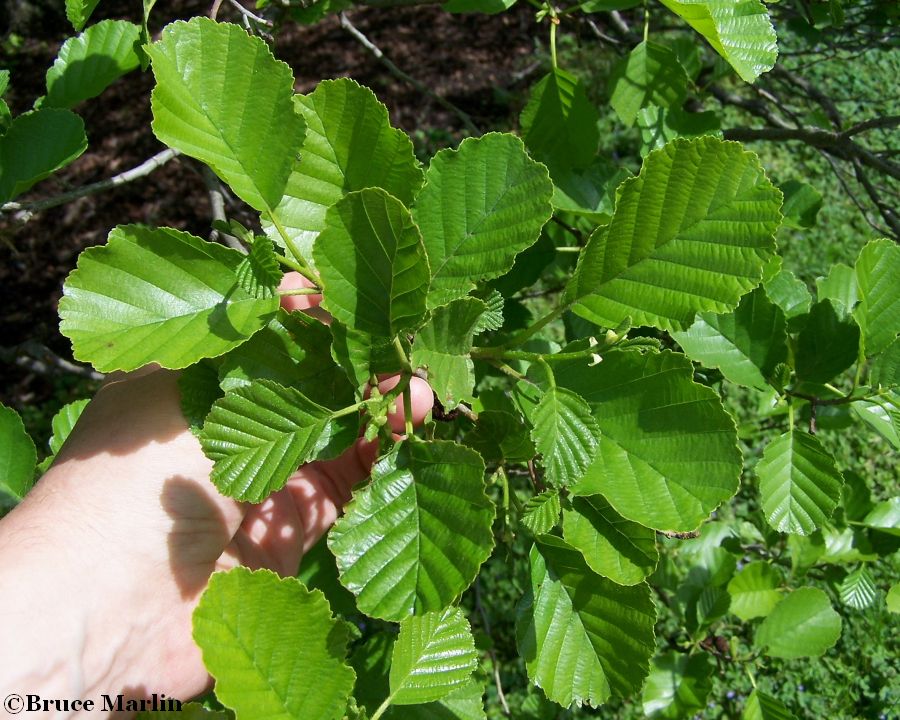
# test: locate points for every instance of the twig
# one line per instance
(249, 15)
(40, 359)
(396, 71)
(217, 204)
(888, 121)
(25, 211)
(494, 662)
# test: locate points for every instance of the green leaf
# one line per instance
(360, 355)
(79, 11)
(565, 434)
(350, 145)
(678, 685)
(764, 707)
(798, 483)
(827, 345)
(802, 203)
(273, 647)
(259, 272)
(659, 126)
(882, 414)
(36, 145)
(745, 345)
(17, 456)
(442, 346)
(650, 75)
(293, 350)
(464, 703)
(589, 192)
(893, 599)
(740, 32)
(691, 233)
(614, 547)
(541, 513)
(885, 517)
(788, 292)
(839, 286)
(885, 368)
(857, 589)
(559, 123)
(434, 655)
(802, 625)
(260, 433)
(412, 540)
(250, 134)
(318, 571)
(61, 425)
(482, 205)
(878, 313)
(754, 590)
(499, 436)
(373, 264)
(668, 450)
(157, 295)
(583, 637)
(86, 65)
(492, 317)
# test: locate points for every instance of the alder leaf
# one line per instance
(349, 145)
(583, 637)
(802, 625)
(799, 485)
(17, 457)
(741, 32)
(857, 590)
(36, 145)
(613, 547)
(691, 233)
(259, 434)
(273, 647)
(565, 434)
(668, 451)
(86, 65)
(827, 345)
(678, 685)
(765, 707)
(412, 540)
(79, 11)
(157, 296)
(222, 97)
(878, 313)
(61, 425)
(746, 345)
(482, 205)
(754, 590)
(464, 703)
(651, 74)
(373, 264)
(434, 654)
(541, 513)
(442, 346)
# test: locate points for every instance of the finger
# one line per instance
(422, 401)
(295, 281)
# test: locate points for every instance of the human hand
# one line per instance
(103, 563)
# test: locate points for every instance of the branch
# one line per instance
(397, 72)
(888, 121)
(217, 205)
(25, 211)
(42, 360)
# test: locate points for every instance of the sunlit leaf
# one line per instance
(802, 625)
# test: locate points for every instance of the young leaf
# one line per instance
(273, 647)
(499, 436)
(361, 355)
(740, 32)
(434, 655)
(787, 291)
(413, 539)
(678, 685)
(885, 517)
(798, 483)
(157, 295)
(542, 512)
(765, 707)
(614, 547)
(668, 450)
(857, 590)
(221, 97)
(373, 264)
(259, 272)
(754, 590)
(802, 625)
(464, 703)
(260, 433)
(442, 346)
(482, 204)
(198, 385)
(651, 74)
(691, 233)
(827, 345)
(745, 345)
(582, 636)
(565, 434)
(88, 64)
(62, 425)
(79, 11)
(36, 145)
(350, 145)
(878, 313)
(17, 456)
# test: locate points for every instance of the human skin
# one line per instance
(103, 563)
